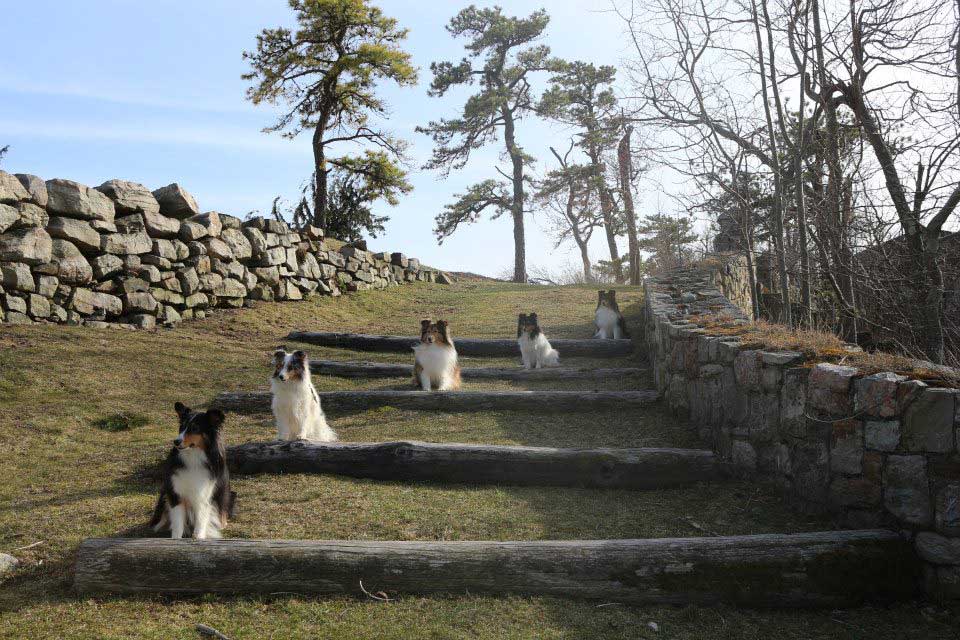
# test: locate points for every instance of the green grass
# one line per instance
(86, 416)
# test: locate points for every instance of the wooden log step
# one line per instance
(389, 370)
(591, 348)
(452, 401)
(825, 569)
(482, 463)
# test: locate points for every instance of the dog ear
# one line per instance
(278, 357)
(601, 294)
(216, 418)
(442, 324)
(424, 324)
(299, 355)
(182, 410)
(533, 316)
(612, 295)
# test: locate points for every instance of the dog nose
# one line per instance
(178, 441)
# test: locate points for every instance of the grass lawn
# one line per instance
(86, 416)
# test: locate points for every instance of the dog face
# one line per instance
(290, 366)
(434, 332)
(198, 431)
(528, 324)
(607, 299)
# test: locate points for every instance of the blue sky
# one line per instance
(151, 92)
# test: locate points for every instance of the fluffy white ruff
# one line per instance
(438, 363)
(194, 484)
(537, 353)
(297, 411)
(608, 324)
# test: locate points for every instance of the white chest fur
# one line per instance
(608, 323)
(537, 352)
(435, 359)
(194, 482)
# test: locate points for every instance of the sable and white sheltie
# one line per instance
(535, 349)
(296, 403)
(609, 320)
(196, 484)
(435, 358)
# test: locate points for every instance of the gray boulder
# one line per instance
(35, 186)
(139, 302)
(8, 563)
(210, 221)
(17, 276)
(160, 226)
(106, 265)
(31, 215)
(176, 202)
(89, 303)
(31, 245)
(217, 248)
(130, 197)
(39, 306)
(9, 216)
(239, 244)
(191, 231)
(11, 191)
(75, 200)
(71, 266)
(79, 232)
(126, 243)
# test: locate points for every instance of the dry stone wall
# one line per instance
(875, 450)
(119, 253)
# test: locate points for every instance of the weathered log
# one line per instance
(452, 401)
(825, 569)
(391, 370)
(465, 346)
(482, 463)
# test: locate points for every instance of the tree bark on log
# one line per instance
(453, 401)
(390, 370)
(825, 569)
(590, 348)
(482, 463)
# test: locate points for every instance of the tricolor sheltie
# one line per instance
(296, 403)
(196, 484)
(609, 320)
(535, 349)
(435, 358)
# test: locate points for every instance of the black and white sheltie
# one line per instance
(196, 484)
(609, 320)
(435, 358)
(535, 349)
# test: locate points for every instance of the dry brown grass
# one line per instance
(822, 346)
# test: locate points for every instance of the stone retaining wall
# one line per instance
(874, 450)
(120, 253)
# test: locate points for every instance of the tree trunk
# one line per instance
(384, 370)
(320, 180)
(779, 240)
(589, 348)
(636, 469)
(246, 402)
(516, 207)
(585, 260)
(824, 569)
(606, 208)
(626, 169)
(932, 299)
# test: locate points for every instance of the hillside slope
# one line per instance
(86, 416)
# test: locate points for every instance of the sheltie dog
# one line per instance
(435, 358)
(609, 320)
(535, 349)
(196, 484)
(296, 403)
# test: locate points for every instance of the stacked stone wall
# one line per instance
(122, 254)
(874, 450)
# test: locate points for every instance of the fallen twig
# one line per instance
(29, 546)
(379, 595)
(210, 632)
